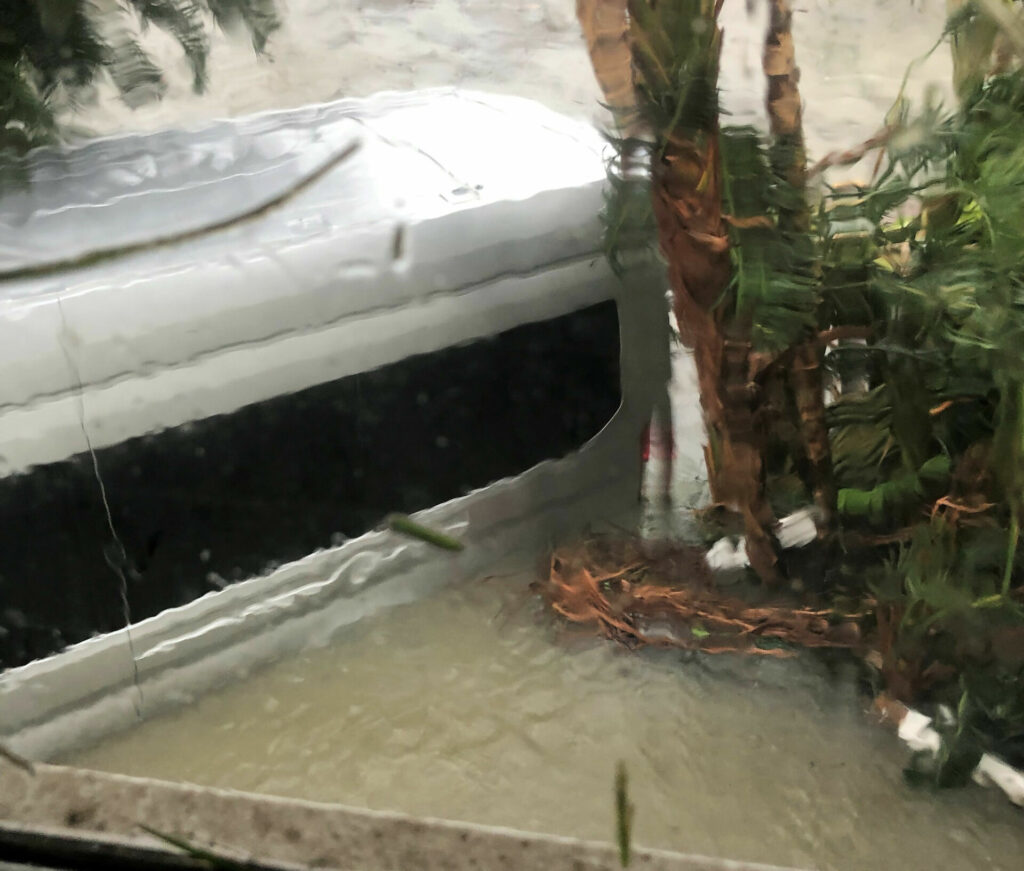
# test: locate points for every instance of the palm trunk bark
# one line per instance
(686, 178)
(605, 26)
(686, 188)
(785, 115)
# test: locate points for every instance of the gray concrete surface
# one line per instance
(110, 808)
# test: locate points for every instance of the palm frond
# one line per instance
(773, 281)
(183, 20)
(259, 18)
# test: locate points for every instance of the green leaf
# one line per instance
(201, 854)
(407, 526)
(623, 814)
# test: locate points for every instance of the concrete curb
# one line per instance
(74, 803)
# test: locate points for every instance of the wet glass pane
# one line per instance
(590, 418)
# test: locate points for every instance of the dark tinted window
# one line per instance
(225, 498)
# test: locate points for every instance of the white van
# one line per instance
(228, 353)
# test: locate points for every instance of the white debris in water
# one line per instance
(794, 530)
(797, 529)
(994, 772)
(726, 554)
(917, 733)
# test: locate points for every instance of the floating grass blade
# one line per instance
(407, 526)
(16, 759)
(623, 814)
(202, 855)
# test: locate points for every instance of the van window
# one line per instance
(215, 501)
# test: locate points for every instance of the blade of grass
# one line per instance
(407, 526)
(16, 759)
(623, 814)
(203, 855)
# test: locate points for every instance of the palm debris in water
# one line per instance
(672, 601)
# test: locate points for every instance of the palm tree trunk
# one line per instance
(785, 116)
(686, 190)
(605, 26)
(686, 178)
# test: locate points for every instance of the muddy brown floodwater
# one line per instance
(473, 705)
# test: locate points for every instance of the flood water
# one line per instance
(474, 705)
(852, 57)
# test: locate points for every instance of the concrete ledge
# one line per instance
(73, 803)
